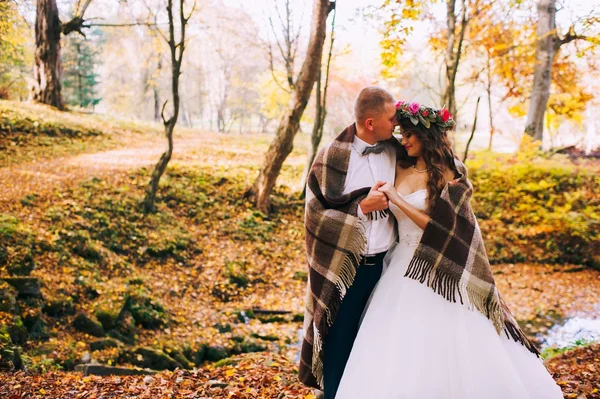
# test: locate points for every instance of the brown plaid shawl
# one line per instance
(451, 258)
(335, 242)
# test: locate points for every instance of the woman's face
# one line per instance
(411, 143)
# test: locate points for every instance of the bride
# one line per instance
(436, 326)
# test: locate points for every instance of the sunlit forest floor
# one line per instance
(207, 287)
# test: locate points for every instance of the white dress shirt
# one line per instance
(365, 171)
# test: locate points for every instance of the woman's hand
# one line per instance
(390, 191)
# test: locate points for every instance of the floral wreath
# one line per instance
(425, 115)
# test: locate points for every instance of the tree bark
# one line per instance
(472, 131)
(545, 49)
(47, 66)
(489, 98)
(321, 113)
(177, 49)
(283, 143)
(453, 53)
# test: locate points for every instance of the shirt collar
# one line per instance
(360, 145)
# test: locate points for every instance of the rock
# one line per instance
(146, 311)
(265, 337)
(223, 328)
(86, 357)
(181, 359)
(8, 298)
(32, 319)
(86, 324)
(216, 353)
(216, 384)
(99, 369)
(25, 286)
(200, 354)
(151, 358)
(17, 331)
(59, 306)
(125, 330)
(247, 347)
(22, 264)
(104, 343)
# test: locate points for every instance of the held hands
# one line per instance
(390, 192)
(375, 200)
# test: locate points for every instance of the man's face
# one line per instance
(383, 125)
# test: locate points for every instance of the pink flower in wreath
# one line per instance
(414, 108)
(399, 104)
(445, 114)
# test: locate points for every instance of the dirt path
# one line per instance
(18, 181)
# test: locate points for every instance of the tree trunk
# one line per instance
(321, 113)
(155, 89)
(489, 98)
(453, 53)
(545, 49)
(281, 147)
(176, 59)
(472, 131)
(47, 67)
(316, 135)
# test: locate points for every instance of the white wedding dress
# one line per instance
(414, 344)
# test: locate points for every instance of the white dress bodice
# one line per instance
(408, 232)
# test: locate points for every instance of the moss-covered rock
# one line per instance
(216, 353)
(146, 311)
(104, 343)
(179, 356)
(125, 330)
(199, 355)
(87, 324)
(59, 305)
(25, 286)
(9, 354)
(108, 311)
(31, 314)
(17, 331)
(247, 347)
(8, 298)
(151, 358)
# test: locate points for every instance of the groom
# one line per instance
(348, 232)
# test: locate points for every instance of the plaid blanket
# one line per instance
(335, 241)
(451, 259)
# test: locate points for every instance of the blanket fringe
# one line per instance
(344, 280)
(451, 289)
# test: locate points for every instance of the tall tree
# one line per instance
(449, 39)
(320, 110)
(47, 65)
(79, 79)
(176, 49)
(548, 43)
(283, 143)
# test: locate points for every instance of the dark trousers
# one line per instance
(342, 333)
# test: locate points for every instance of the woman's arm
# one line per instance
(416, 215)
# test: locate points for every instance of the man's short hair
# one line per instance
(371, 102)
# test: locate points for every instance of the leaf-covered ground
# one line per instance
(204, 258)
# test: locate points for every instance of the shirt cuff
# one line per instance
(361, 215)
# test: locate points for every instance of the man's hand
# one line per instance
(390, 192)
(375, 200)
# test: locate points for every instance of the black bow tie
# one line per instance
(375, 149)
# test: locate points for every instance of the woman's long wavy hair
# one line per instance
(437, 153)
